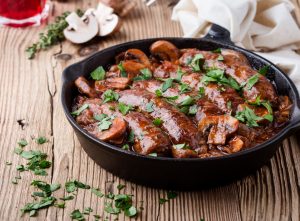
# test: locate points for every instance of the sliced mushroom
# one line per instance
(81, 30)
(165, 50)
(218, 128)
(236, 144)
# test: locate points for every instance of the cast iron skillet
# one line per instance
(173, 173)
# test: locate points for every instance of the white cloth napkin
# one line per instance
(265, 26)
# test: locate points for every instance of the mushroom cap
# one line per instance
(81, 30)
(109, 25)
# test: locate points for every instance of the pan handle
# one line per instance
(218, 33)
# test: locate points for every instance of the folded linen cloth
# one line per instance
(265, 26)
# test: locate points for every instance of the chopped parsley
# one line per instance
(98, 74)
(229, 105)
(104, 121)
(130, 138)
(77, 215)
(87, 210)
(23, 143)
(122, 70)
(149, 107)
(201, 91)
(197, 62)
(180, 73)
(110, 95)
(187, 101)
(162, 200)
(67, 198)
(124, 109)
(158, 93)
(8, 163)
(252, 81)
(220, 58)
(120, 186)
(167, 84)
(193, 109)
(264, 70)
(125, 147)
(146, 74)
(182, 146)
(73, 185)
(78, 112)
(152, 154)
(249, 117)
(171, 195)
(97, 192)
(218, 50)
(267, 105)
(184, 88)
(218, 76)
(157, 122)
(41, 140)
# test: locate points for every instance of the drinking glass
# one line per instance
(21, 13)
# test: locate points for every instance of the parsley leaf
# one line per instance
(110, 95)
(181, 146)
(87, 210)
(41, 140)
(130, 212)
(249, 117)
(149, 107)
(197, 62)
(220, 58)
(105, 122)
(120, 186)
(67, 198)
(252, 81)
(97, 192)
(23, 143)
(218, 50)
(171, 195)
(162, 200)
(110, 209)
(217, 75)
(157, 122)
(146, 74)
(124, 109)
(78, 112)
(98, 74)
(130, 138)
(152, 154)
(264, 70)
(43, 203)
(180, 73)
(125, 147)
(158, 93)
(193, 109)
(167, 84)
(73, 185)
(187, 101)
(77, 215)
(184, 88)
(122, 70)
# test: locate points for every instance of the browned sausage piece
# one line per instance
(115, 131)
(179, 127)
(165, 50)
(147, 137)
(83, 85)
(218, 128)
(119, 83)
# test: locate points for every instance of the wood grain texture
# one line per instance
(30, 91)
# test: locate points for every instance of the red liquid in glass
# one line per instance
(21, 9)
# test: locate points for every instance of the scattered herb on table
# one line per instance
(97, 192)
(8, 163)
(73, 185)
(67, 198)
(41, 140)
(23, 143)
(120, 186)
(87, 210)
(77, 215)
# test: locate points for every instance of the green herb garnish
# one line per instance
(146, 74)
(184, 88)
(193, 109)
(149, 107)
(110, 95)
(122, 70)
(97, 192)
(197, 62)
(181, 146)
(23, 143)
(218, 50)
(158, 93)
(41, 140)
(125, 147)
(77, 215)
(130, 138)
(187, 101)
(120, 186)
(73, 185)
(157, 122)
(152, 154)
(264, 70)
(252, 81)
(98, 74)
(67, 198)
(124, 109)
(167, 84)
(78, 112)
(249, 117)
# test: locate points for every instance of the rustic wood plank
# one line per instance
(30, 90)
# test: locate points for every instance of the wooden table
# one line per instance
(30, 106)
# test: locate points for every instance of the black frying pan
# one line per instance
(169, 172)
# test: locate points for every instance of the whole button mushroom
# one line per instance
(81, 30)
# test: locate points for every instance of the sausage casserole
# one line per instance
(181, 103)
